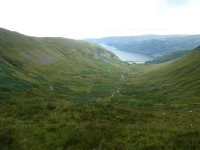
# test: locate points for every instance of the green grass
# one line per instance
(46, 124)
(78, 99)
(173, 82)
(72, 68)
(168, 57)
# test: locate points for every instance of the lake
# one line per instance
(127, 56)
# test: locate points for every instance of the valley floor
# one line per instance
(126, 116)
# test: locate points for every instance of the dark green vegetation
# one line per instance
(59, 93)
(168, 57)
(151, 44)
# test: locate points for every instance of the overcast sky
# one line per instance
(100, 18)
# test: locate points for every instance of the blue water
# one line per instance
(127, 56)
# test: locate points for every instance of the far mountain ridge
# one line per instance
(151, 44)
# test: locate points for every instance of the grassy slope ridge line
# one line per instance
(50, 64)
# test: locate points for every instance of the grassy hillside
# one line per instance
(61, 94)
(60, 66)
(173, 82)
(168, 57)
(151, 44)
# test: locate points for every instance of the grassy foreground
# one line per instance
(45, 124)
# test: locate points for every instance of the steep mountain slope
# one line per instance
(50, 64)
(151, 44)
(177, 81)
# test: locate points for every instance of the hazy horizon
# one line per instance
(100, 18)
(111, 36)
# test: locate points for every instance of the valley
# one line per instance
(59, 93)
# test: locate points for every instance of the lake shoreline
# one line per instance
(127, 56)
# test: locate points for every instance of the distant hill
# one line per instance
(151, 44)
(168, 57)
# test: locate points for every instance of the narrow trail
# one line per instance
(117, 90)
